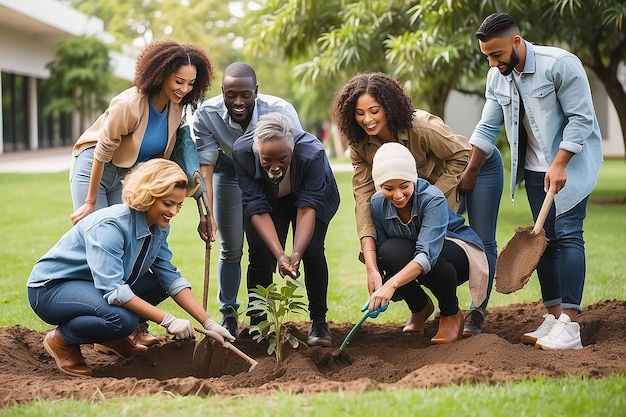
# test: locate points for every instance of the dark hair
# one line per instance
(240, 70)
(494, 25)
(386, 90)
(160, 58)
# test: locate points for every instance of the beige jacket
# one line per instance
(117, 134)
(440, 157)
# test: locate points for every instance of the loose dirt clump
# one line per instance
(379, 356)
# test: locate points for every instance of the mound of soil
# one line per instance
(379, 356)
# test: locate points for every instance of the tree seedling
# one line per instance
(275, 305)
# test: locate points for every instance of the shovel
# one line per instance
(205, 211)
(226, 344)
(520, 256)
(372, 314)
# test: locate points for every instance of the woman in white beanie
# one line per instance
(372, 109)
(421, 241)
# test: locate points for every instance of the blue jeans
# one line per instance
(228, 212)
(83, 315)
(482, 206)
(110, 188)
(561, 269)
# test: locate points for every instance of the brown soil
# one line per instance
(379, 356)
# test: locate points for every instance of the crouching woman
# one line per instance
(420, 241)
(112, 268)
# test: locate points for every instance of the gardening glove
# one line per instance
(180, 328)
(211, 326)
(375, 313)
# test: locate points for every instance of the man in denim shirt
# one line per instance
(542, 97)
(218, 123)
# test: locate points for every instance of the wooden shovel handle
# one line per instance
(207, 251)
(543, 213)
(232, 348)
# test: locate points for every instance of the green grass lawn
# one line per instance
(36, 213)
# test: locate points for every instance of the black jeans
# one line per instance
(262, 263)
(450, 270)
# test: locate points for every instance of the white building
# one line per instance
(29, 30)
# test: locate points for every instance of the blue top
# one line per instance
(214, 129)
(155, 139)
(431, 221)
(103, 248)
(557, 99)
(312, 179)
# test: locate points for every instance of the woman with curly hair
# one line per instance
(140, 123)
(112, 269)
(372, 109)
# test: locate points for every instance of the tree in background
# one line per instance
(80, 79)
(214, 25)
(429, 45)
(595, 30)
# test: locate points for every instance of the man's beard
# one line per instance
(271, 176)
(512, 64)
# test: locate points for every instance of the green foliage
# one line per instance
(80, 77)
(276, 305)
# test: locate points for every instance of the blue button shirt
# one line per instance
(557, 99)
(215, 130)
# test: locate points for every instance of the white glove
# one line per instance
(180, 328)
(212, 326)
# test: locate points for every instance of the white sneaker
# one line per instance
(542, 331)
(565, 334)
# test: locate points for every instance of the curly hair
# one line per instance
(150, 180)
(384, 89)
(160, 58)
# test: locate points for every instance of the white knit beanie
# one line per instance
(393, 161)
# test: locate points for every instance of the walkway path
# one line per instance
(59, 159)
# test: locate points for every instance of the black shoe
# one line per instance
(473, 323)
(230, 324)
(319, 335)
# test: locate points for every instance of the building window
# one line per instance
(53, 130)
(15, 129)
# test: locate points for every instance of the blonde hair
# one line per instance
(150, 180)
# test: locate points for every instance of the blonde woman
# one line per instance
(112, 268)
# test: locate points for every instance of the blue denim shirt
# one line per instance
(557, 98)
(103, 248)
(431, 221)
(312, 179)
(215, 130)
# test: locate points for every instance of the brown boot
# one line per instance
(141, 336)
(68, 357)
(415, 324)
(450, 329)
(123, 347)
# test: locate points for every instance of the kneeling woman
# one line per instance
(112, 268)
(420, 241)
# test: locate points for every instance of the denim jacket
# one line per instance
(556, 96)
(103, 248)
(431, 221)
